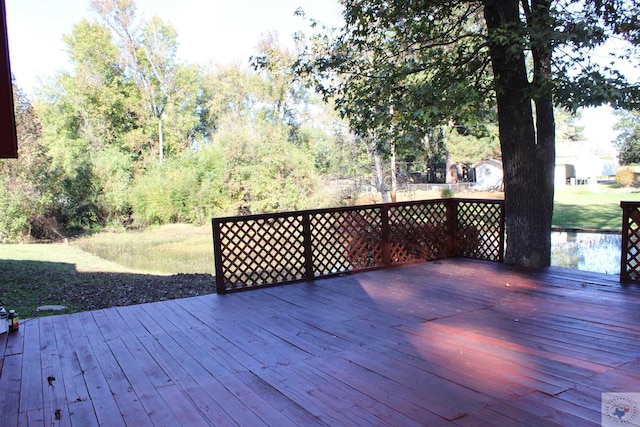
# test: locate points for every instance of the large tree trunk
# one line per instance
(452, 170)
(382, 188)
(528, 162)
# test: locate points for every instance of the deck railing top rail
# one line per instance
(268, 249)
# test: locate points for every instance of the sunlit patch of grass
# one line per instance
(170, 249)
(591, 207)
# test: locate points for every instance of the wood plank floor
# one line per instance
(450, 343)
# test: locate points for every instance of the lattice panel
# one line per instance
(346, 240)
(269, 249)
(330, 254)
(263, 251)
(478, 231)
(418, 232)
(632, 258)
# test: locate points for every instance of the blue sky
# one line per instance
(209, 31)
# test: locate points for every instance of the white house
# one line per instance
(565, 174)
(488, 175)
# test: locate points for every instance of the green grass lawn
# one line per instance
(587, 207)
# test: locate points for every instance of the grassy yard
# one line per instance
(170, 249)
(107, 269)
(588, 207)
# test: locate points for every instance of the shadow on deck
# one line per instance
(453, 342)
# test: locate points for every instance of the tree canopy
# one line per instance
(407, 66)
(130, 135)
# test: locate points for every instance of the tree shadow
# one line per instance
(26, 285)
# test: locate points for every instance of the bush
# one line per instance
(265, 172)
(625, 177)
(182, 189)
(112, 176)
(14, 221)
(446, 193)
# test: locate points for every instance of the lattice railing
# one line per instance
(479, 230)
(630, 254)
(260, 250)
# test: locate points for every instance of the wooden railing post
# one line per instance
(502, 232)
(217, 257)
(308, 247)
(630, 246)
(386, 235)
(452, 226)
(624, 276)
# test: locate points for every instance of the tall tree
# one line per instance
(171, 91)
(26, 183)
(282, 94)
(96, 89)
(628, 140)
(451, 60)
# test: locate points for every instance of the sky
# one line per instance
(209, 31)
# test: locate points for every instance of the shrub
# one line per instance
(446, 193)
(265, 172)
(112, 176)
(625, 177)
(182, 189)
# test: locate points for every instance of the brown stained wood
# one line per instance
(31, 395)
(82, 413)
(457, 342)
(559, 410)
(8, 133)
(10, 382)
(72, 374)
(56, 410)
(129, 407)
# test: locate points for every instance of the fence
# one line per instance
(264, 250)
(630, 253)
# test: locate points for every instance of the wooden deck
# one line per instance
(456, 342)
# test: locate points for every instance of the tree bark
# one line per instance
(528, 159)
(377, 158)
(452, 170)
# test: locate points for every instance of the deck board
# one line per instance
(454, 342)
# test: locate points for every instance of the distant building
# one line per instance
(488, 175)
(565, 175)
(586, 168)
